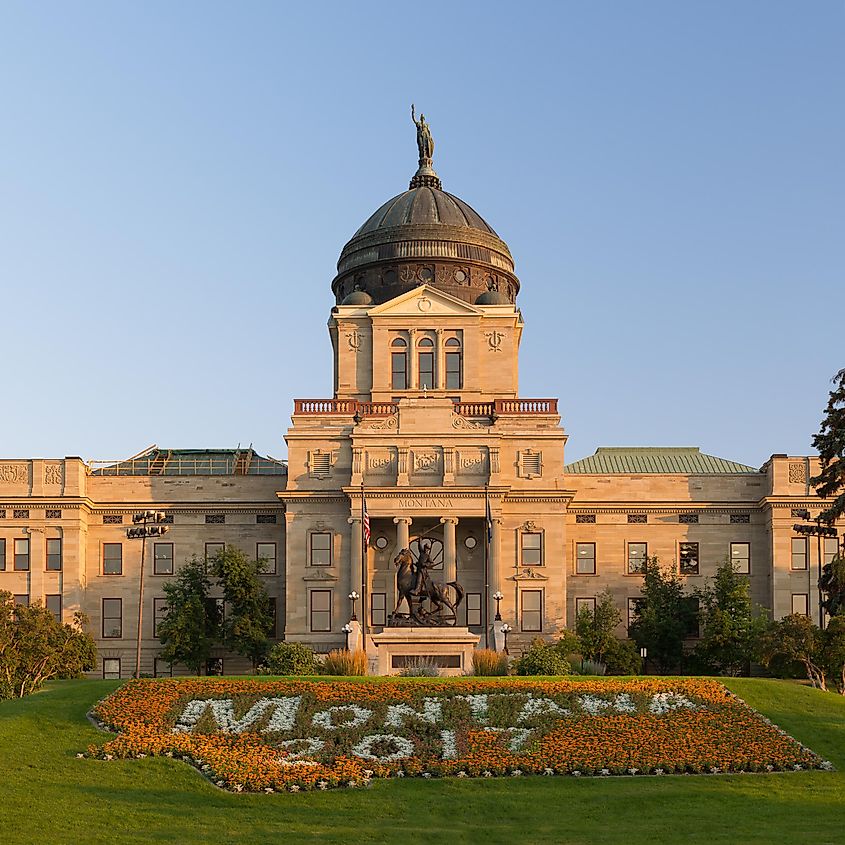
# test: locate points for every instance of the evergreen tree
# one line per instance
(830, 442)
(191, 625)
(248, 617)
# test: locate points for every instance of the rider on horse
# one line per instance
(423, 564)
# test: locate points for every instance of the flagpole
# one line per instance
(364, 567)
(486, 568)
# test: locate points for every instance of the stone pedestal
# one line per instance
(449, 648)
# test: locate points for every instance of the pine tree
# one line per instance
(830, 442)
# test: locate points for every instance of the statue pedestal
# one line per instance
(450, 649)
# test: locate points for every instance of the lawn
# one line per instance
(50, 796)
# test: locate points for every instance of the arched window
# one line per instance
(398, 364)
(454, 364)
(426, 363)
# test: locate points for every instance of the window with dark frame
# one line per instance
(585, 558)
(321, 610)
(162, 669)
(473, 607)
(801, 604)
(378, 609)
(212, 550)
(321, 548)
(111, 668)
(265, 553)
(159, 614)
(637, 556)
(272, 630)
(531, 548)
(830, 549)
(112, 558)
(585, 603)
(21, 554)
(799, 553)
(633, 610)
(163, 558)
(214, 666)
(53, 603)
(22, 599)
(531, 610)
(54, 554)
(741, 558)
(2, 554)
(688, 558)
(425, 372)
(112, 619)
(398, 364)
(454, 364)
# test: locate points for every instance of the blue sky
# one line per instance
(177, 182)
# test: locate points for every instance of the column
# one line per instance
(450, 564)
(494, 566)
(403, 525)
(355, 563)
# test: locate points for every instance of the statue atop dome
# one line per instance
(425, 177)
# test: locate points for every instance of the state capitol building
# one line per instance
(427, 426)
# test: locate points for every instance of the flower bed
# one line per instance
(289, 735)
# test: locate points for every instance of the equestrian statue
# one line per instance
(429, 603)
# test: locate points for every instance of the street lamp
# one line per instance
(147, 524)
(505, 629)
(644, 656)
(819, 531)
(347, 629)
(353, 597)
(497, 597)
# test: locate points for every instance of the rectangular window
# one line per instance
(426, 374)
(398, 371)
(799, 553)
(585, 604)
(321, 548)
(2, 554)
(271, 630)
(688, 556)
(585, 558)
(265, 553)
(162, 669)
(321, 610)
(111, 668)
(473, 602)
(531, 548)
(378, 609)
(112, 619)
(801, 604)
(831, 548)
(454, 380)
(741, 558)
(54, 605)
(162, 558)
(22, 600)
(112, 559)
(21, 554)
(214, 666)
(633, 610)
(159, 614)
(637, 554)
(54, 555)
(531, 606)
(220, 609)
(212, 550)
(693, 630)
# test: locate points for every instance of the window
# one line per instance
(215, 519)
(54, 555)
(688, 556)
(111, 668)
(801, 603)
(219, 610)
(585, 558)
(112, 559)
(321, 610)
(693, 630)
(426, 364)
(266, 554)
(454, 364)
(398, 365)
(163, 559)
(531, 606)
(633, 610)
(582, 604)
(637, 555)
(22, 600)
(159, 613)
(162, 669)
(2, 554)
(378, 609)
(212, 550)
(532, 548)
(637, 518)
(271, 630)
(741, 558)
(740, 518)
(112, 619)
(214, 666)
(473, 603)
(585, 519)
(113, 519)
(381, 542)
(799, 553)
(21, 554)
(265, 519)
(20, 514)
(321, 548)
(54, 605)
(688, 518)
(831, 548)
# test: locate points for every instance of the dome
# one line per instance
(426, 235)
(492, 297)
(357, 297)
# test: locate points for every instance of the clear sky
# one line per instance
(177, 181)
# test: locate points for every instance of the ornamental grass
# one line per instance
(488, 663)
(342, 662)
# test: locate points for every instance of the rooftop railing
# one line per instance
(496, 408)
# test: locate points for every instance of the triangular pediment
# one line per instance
(425, 301)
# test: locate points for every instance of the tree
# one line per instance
(833, 650)
(795, 638)
(832, 586)
(665, 616)
(192, 621)
(730, 625)
(36, 647)
(248, 617)
(596, 629)
(830, 442)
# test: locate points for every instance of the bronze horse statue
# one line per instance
(414, 585)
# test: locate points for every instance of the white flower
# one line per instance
(715, 770)
(605, 771)
(141, 756)
(351, 784)
(368, 773)
(426, 774)
(450, 747)
(403, 748)
(293, 788)
(576, 773)
(432, 712)
(516, 773)
(322, 784)
(462, 774)
(220, 783)
(294, 757)
(592, 704)
(478, 706)
(632, 771)
(826, 765)
(108, 756)
(400, 774)
(663, 702)
(269, 790)
(540, 707)
(770, 768)
(623, 703)
(238, 787)
(79, 756)
(325, 718)
(659, 772)
(487, 773)
(548, 771)
(797, 767)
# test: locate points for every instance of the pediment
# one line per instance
(425, 301)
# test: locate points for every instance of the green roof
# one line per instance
(634, 460)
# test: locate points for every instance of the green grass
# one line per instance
(48, 796)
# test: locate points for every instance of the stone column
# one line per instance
(494, 566)
(403, 525)
(355, 563)
(450, 564)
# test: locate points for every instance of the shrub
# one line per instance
(542, 658)
(486, 662)
(341, 661)
(420, 667)
(290, 659)
(622, 657)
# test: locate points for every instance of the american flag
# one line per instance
(488, 518)
(365, 520)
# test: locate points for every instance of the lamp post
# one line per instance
(497, 597)
(347, 629)
(818, 530)
(147, 524)
(644, 657)
(506, 629)
(353, 597)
